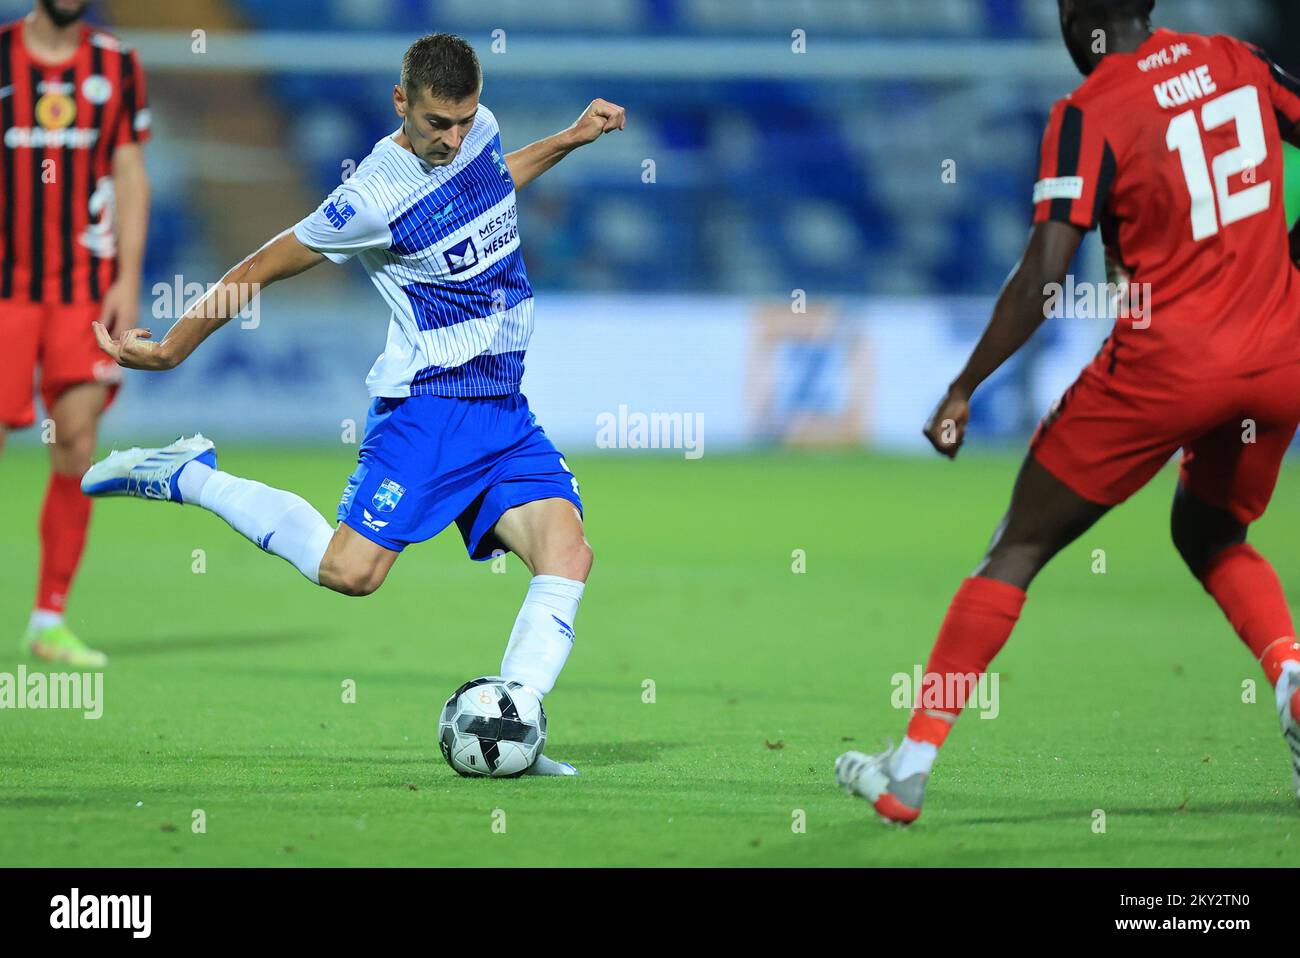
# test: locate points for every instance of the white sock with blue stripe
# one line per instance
(543, 633)
(279, 522)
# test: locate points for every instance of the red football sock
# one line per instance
(979, 621)
(64, 518)
(1248, 591)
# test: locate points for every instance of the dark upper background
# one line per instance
(855, 163)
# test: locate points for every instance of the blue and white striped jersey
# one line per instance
(441, 244)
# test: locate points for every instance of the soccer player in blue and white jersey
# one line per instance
(431, 216)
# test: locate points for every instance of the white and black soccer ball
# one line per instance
(492, 727)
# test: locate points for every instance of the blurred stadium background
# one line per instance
(770, 244)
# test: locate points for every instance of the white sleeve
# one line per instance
(344, 225)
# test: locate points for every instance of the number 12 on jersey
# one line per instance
(1240, 107)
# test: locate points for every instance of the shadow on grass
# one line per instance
(208, 642)
(323, 759)
(35, 801)
(1260, 807)
(607, 753)
(579, 753)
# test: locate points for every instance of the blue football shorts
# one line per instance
(427, 461)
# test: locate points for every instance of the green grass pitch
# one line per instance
(1120, 691)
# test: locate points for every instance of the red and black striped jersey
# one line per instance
(1176, 151)
(62, 122)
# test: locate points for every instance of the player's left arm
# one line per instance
(126, 138)
(533, 160)
(1021, 308)
(1076, 171)
(131, 211)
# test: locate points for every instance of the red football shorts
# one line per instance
(1106, 440)
(57, 338)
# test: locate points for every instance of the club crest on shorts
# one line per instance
(387, 496)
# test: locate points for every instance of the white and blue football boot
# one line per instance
(147, 473)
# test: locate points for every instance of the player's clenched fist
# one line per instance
(133, 349)
(601, 116)
(946, 428)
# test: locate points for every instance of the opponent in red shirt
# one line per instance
(75, 199)
(1173, 145)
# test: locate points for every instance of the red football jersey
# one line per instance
(1176, 150)
(61, 123)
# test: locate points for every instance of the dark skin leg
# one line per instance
(1044, 517)
(1201, 531)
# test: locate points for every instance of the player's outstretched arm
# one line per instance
(533, 160)
(1020, 310)
(279, 259)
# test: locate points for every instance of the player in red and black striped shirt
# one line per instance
(1173, 145)
(75, 198)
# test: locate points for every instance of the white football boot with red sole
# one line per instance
(868, 776)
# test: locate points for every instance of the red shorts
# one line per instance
(1105, 440)
(56, 337)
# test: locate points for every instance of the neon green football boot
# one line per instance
(58, 643)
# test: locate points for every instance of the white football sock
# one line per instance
(912, 757)
(44, 619)
(543, 633)
(193, 477)
(279, 522)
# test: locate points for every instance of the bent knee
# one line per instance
(571, 559)
(351, 579)
(1199, 553)
(1198, 541)
(585, 558)
(356, 584)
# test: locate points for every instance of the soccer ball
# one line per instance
(492, 727)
